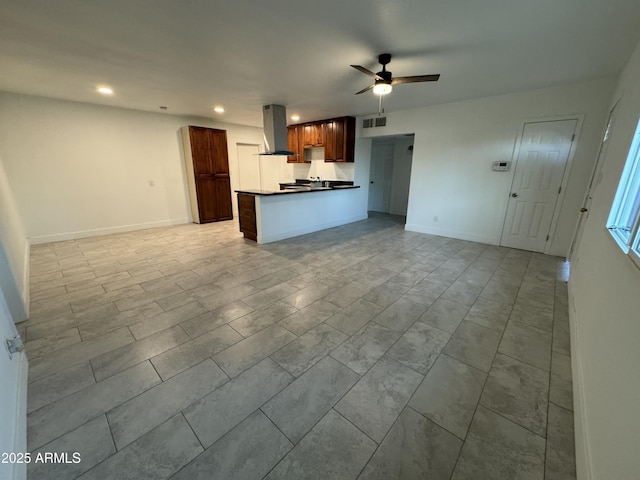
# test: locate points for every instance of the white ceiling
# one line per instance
(192, 54)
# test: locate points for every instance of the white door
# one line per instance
(596, 176)
(248, 167)
(13, 400)
(540, 165)
(380, 176)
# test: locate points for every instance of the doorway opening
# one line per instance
(390, 174)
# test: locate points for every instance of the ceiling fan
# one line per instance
(384, 80)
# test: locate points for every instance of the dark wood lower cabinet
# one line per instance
(247, 215)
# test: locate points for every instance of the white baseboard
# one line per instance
(581, 433)
(442, 232)
(20, 426)
(59, 237)
(26, 284)
(296, 232)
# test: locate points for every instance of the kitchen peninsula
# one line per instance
(268, 216)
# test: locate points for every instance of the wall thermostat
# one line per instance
(500, 166)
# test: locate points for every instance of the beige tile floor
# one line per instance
(363, 351)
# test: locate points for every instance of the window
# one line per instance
(624, 218)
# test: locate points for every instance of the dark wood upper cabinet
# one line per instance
(340, 137)
(313, 134)
(295, 144)
(207, 165)
(337, 136)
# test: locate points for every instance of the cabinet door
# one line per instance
(313, 135)
(318, 133)
(308, 135)
(222, 199)
(205, 188)
(201, 149)
(219, 154)
(330, 146)
(340, 134)
(294, 145)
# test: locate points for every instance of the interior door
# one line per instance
(13, 399)
(248, 167)
(380, 176)
(540, 164)
(596, 174)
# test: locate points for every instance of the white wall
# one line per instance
(456, 143)
(604, 299)
(78, 169)
(14, 253)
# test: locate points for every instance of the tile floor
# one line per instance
(363, 351)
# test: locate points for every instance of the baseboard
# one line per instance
(581, 432)
(26, 284)
(21, 420)
(442, 232)
(296, 232)
(59, 237)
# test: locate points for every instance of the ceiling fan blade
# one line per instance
(367, 72)
(415, 79)
(365, 89)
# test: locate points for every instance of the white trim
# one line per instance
(20, 425)
(565, 178)
(584, 465)
(442, 232)
(26, 283)
(58, 237)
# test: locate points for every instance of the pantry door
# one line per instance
(540, 165)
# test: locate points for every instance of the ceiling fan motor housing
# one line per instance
(386, 77)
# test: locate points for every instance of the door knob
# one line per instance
(582, 210)
(514, 195)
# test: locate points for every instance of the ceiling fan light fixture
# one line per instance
(382, 88)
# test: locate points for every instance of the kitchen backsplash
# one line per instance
(319, 168)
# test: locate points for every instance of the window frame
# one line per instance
(628, 196)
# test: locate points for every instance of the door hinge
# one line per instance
(14, 345)
(573, 137)
(547, 238)
(559, 190)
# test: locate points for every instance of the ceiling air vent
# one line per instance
(367, 123)
(381, 121)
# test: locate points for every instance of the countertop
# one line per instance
(296, 190)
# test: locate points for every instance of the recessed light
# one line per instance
(218, 109)
(295, 118)
(105, 90)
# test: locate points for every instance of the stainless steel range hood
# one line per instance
(275, 130)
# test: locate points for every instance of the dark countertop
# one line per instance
(296, 190)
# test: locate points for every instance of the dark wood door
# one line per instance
(206, 191)
(293, 144)
(220, 156)
(201, 150)
(330, 147)
(211, 169)
(222, 196)
(313, 135)
(340, 140)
